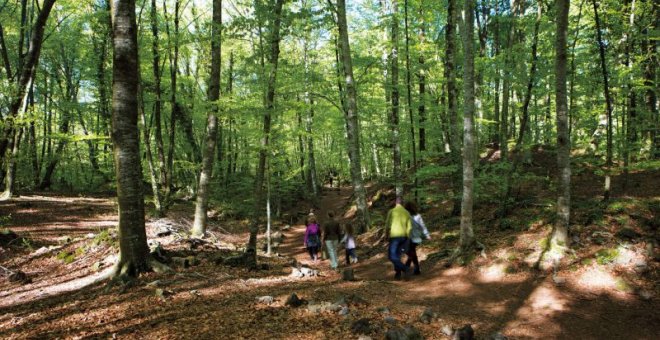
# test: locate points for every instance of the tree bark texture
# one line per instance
(199, 226)
(133, 250)
(352, 124)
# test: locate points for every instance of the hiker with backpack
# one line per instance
(330, 238)
(312, 238)
(417, 233)
(397, 231)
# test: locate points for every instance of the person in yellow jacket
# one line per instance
(397, 231)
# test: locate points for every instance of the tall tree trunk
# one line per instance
(608, 102)
(631, 119)
(421, 75)
(5, 54)
(155, 185)
(409, 98)
(532, 76)
(199, 226)
(650, 83)
(26, 73)
(176, 109)
(394, 114)
(133, 250)
(467, 239)
(560, 233)
(158, 134)
(451, 97)
(251, 249)
(352, 124)
(506, 84)
(10, 175)
(309, 120)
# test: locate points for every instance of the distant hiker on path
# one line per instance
(349, 244)
(397, 229)
(312, 238)
(331, 231)
(418, 232)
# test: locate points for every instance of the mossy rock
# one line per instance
(623, 286)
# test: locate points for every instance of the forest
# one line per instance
(161, 162)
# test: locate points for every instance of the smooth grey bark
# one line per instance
(201, 206)
(608, 102)
(173, 48)
(352, 125)
(133, 250)
(394, 113)
(158, 104)
(560, 233)
(409, 99)
(467, 239)
(26, 73)
(451, 96)
(10, 175)
(155, 185)
(251, 250)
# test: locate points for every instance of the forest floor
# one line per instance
(607, 289)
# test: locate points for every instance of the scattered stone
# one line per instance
(318, 307)
(335, 307)
(348, 275)
(447, 330)
(427, 316)
(266, 299)
(362, 326)
(163, 231)
(390, 320)
(364, 337)
(20, 277)
(163, 293)
(154, 283)
(641, 266)
(405, 333)
(294, 301)
(344, 311)
(464, 333)
(383, 310)
(601, 237)
(558, 280)
(90, 235)
(304, 272)
(646, 294)
(41, 251)
(194, 292)
(627, 233)
(498, 336)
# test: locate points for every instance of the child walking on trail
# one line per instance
(417, 233)
(312, 238)
(349, 244)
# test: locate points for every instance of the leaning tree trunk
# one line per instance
(608, 102)
(199, 226)
(467, 240)
(351, 116)
(133, 250)
(27, 74)
(560, 233)
(251, 250)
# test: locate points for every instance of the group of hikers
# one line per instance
(404, 229)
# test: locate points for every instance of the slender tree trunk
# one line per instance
(532, 77)
(155, 185)
(631, 119)
(352, 124)
(451, 96)
(421, 75)
(133, 250)
(158, 134)
(409, 98)
(176, 109)
(467, 239)
(26, 73)
(199, 226)
(560, 233)
(506, 84)
(608, 101)
(10, 175)
(313, 180)
(251, 249)
(5, 55)
(650, 83)
(394, 114)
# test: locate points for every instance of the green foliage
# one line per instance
(606, 256)
(66, 256)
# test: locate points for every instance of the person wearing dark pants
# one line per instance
(397, 230)
(417, 233)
